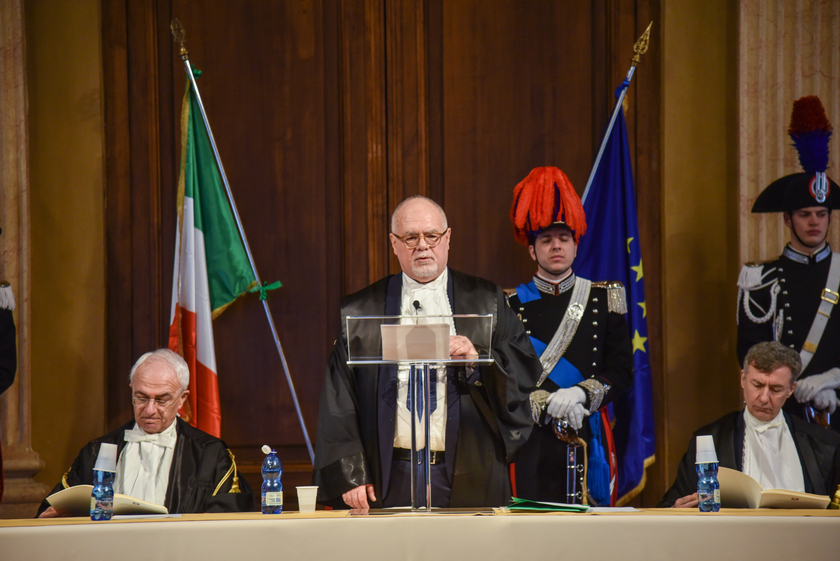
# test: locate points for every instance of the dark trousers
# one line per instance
(399, 487)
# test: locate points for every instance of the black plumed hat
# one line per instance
(810, 131)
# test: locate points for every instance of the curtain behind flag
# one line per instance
(211, 267)
(610, 251)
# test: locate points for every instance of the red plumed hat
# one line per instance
(545, 198)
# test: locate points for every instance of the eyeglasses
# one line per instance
(411, 240)
(159, 403)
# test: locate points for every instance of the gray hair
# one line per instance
(771, 355)
(171, 359)
(414, 198)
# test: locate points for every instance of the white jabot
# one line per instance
(433, 301)
(770, 455)
(143, 466)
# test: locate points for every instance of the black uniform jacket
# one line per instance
(801, 280)
(488, 417)
(818, 448)
(199, 463)
(600, 349)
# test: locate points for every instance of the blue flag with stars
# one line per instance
(608, 252)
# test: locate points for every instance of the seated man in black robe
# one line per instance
(480, 416)
(161, 458)
(778, 450)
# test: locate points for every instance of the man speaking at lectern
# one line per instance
(480, 415)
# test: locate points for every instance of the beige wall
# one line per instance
(700, 243)
(67, 217)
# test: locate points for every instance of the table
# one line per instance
(650, 534)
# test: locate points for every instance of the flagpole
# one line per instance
(178, 34)
(639, 48)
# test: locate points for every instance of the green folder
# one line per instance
(524, 505)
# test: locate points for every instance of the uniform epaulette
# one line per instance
(616, 297)
(750, 275)
(7, 297)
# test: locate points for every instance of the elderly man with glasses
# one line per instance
(480, 414)
(162, 459)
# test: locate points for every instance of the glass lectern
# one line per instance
(418, 343)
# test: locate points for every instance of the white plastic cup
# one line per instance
(106, 460)
(307, 496)
(706, 450)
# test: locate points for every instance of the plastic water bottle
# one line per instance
(272, 487)
(708, 488)
(104, 471)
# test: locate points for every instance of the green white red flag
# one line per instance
(211, 267)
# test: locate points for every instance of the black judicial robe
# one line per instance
(801, 280)
(600, 349)
(8, 363)
(8, 350)
(488, 420)
(199, 463)
(818, 448)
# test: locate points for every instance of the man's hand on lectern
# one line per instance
(461, 347)
(358, 498)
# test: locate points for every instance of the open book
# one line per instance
(739, 490)
(76, 500)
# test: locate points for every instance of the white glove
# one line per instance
(808, 388)
(560, 403)
(575, 416)
(825, 399)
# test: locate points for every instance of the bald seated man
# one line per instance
(160, 458)
(480, 414)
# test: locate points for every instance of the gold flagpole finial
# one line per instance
(641, 45)
(179, 35)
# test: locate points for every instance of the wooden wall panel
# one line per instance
(518, 92)
(363, 157)
(326, 115)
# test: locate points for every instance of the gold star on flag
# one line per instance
(639, 342)
(638, 269)
(628, 243)
(644, 308)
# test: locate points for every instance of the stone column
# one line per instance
(20, 462)
(786, 50)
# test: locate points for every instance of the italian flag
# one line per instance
(211, 267)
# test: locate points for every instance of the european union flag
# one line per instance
(610, 251)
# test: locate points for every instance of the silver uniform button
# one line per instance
(595, 336)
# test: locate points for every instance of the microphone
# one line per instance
(417, 307)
